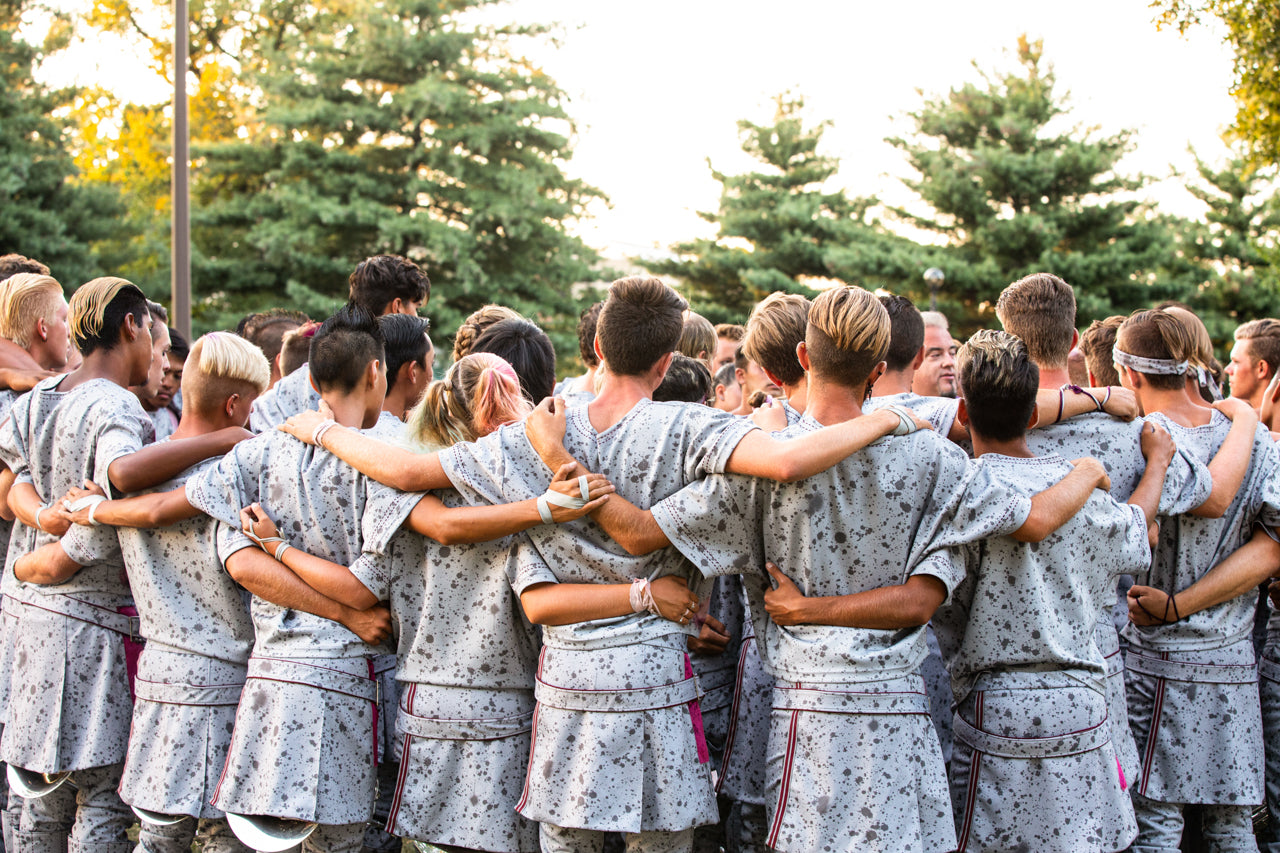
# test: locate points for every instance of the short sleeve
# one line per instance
(499, 468)
(1267, 457)
(222, 490)
(229, 540)
(711, 436)
(385, 512)
(985, 507)
(374, 571)
(716, 523)
(1187, 484)
(530, 572)
(947, 566)
(13, 447)
(124, 433)
(91, 546)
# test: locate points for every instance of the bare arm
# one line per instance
(787, 460)
(6, 483)
(463, 525)
(390, 465)
(272, 581)
(1053, 507)
(159, 509)
(1054, 406)
(23, 379)
(1158, 449)
(14, 357)
(165, 460)
(888, 608)
(1247, 567)
(25, 503)
(1230, 464)
(46, 565)
(570, 603)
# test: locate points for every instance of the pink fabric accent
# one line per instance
(132, 651)
(695, 716)
(1124, 785)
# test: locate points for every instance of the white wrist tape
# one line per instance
(551, 496)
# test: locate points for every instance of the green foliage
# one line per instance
(48, 214)
(1234, 248)
(777, 228)
(403, 130)
(1253, 31)
(1011, 190)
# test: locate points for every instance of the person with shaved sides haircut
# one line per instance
(1034, 767)
(1040, 310)
(74, 710)
(193, 616)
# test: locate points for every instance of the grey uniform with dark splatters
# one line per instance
(292, 394)
(940, 412)
(1033, 762)
(604, 759)
(848, 702)
(1118, 446)
(1192, 686)
(466, 661)
(74, 708)
(303, 745)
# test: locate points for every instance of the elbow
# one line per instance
(534, 612)
(1031, 532)
(917, 614)
(1213, 507)
(447, 534)
(5, 512)
(788, 470)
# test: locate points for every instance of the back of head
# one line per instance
(726, 375)
(221, 364)
(640, 323)
(1264, 341)
(1205, 366)
(697, 336)
(406, 341)
(527, 349)
(97, 310)
(998, 380)
(731, 331)
(1158, 346)
(587, 334)
(848, 335)
(1040, 309)
(25, 299)
(13, 264)
(178, 345)
(935, 320)
(295, 347)
(476, 325)
(158, 312)
(267, 329)
(906, 334)
(342, 348)
(478, 394)
(687, 381)
(775, 328)
(378, 281)
(1096, 343)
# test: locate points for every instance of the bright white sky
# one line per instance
(657, 88)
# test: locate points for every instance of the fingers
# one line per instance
(564, 472)
(594, 504)
(774, 572)
(601, 489)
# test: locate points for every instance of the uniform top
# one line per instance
(652, 452)
(319, 504)
(7, 581)
(1117, 445)
(1034, 606)
(164, 421)
(875, 519)
(57, 440)
(458, 621)
(940, 412)
(1191, 546)
(292, 394)
(185, 598)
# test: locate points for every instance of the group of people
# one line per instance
(827, 581)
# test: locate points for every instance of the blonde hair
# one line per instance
(774, 329)
(25, 299)
(474, 326)
(88, 311)
(697, 336)
(848, 334)
(221, 364)
(479, 394)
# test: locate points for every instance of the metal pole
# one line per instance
(180, 315)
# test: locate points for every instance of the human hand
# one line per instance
(1096, 469)
(712, 639)
(785, 602)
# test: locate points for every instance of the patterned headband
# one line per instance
(1149, 366)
